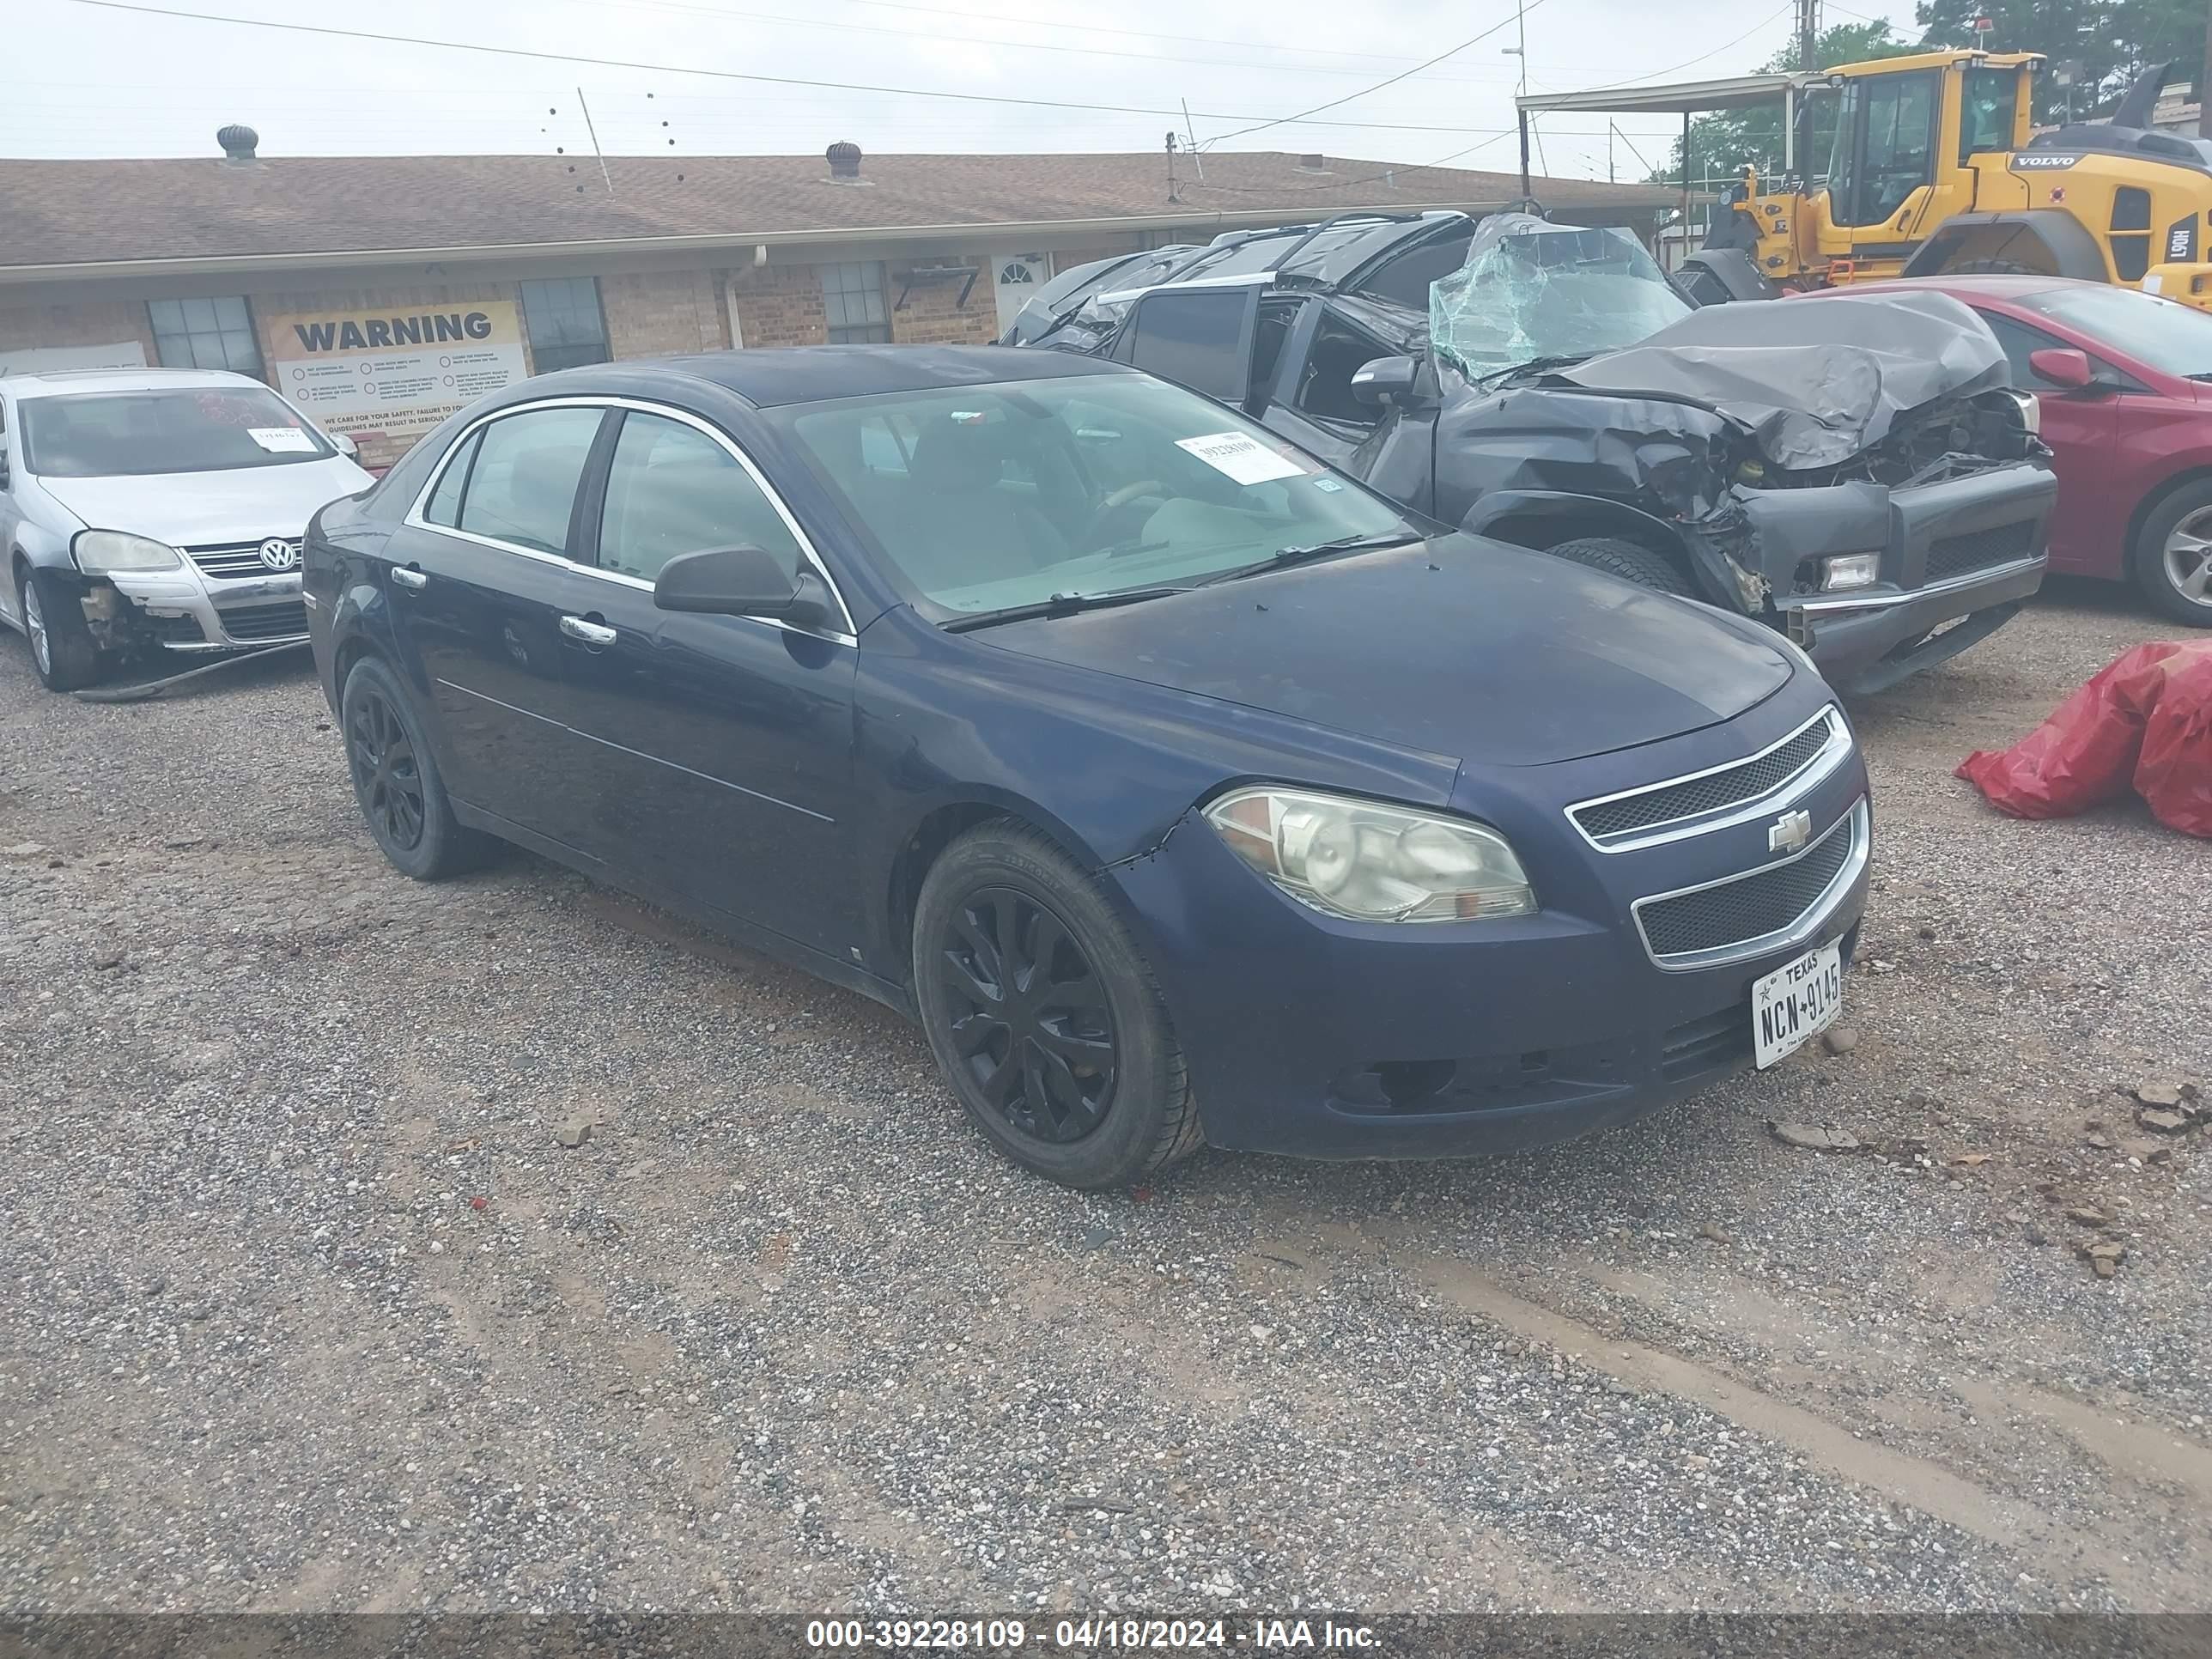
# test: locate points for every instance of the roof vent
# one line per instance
(1313, 164)
(237, 141)
(844, 159)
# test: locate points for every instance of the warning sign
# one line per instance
(384, 378)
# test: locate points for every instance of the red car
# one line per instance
(2125, 380)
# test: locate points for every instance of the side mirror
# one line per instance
(346, 445)
(738, 581)
(1384, 380)
(2063, 367)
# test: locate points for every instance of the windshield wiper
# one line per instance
(1059, 605)
(1290, 555)
(1536, 366)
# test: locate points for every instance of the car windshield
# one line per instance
(1530, 289)
(2163, 334)
(200, 429)
(987, 498)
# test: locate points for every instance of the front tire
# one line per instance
(1042, 1015)
(396, 782)
(2172, 560)
(1627, 560)
(63, 653)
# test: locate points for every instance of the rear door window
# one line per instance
(522, 486)
(444, 507)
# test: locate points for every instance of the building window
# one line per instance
(204, 334)
(853, 303)
(566, 326)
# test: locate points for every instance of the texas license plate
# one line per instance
(1793, 1004)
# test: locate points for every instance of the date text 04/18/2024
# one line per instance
(1118, 1632)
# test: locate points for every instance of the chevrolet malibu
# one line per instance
(147, 511)
(1226, 804)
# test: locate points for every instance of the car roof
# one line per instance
(57, 381)
(803, 374)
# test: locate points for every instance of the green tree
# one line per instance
(1720, 144)
(2113, 41)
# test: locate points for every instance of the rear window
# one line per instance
(206, 428)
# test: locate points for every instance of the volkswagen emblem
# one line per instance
(278, 554)
(1790, 832)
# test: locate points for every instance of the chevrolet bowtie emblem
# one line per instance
(1790, 832)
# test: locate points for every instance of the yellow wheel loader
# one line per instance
(1936, 167)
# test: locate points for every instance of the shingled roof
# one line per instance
(85, 213)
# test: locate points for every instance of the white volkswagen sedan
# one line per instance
(150, 510)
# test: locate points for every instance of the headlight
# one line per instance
(1850, 570)
(2031, 409)
(1371, 862)
(100, 550)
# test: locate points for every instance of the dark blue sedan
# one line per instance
(1182, 788)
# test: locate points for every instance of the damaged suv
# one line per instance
(1865, 481)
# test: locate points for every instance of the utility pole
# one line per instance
(1808, 50)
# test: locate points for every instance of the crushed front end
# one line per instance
(1855, 472)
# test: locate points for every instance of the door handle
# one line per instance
(590, 633)
(410, 578)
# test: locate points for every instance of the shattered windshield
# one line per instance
(1532, 290)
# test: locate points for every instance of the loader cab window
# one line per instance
(1884, 146)
(1991, 97)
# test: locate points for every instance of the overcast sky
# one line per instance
(84, 81)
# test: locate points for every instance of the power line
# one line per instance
(1307, 114)
(680, 7)
(1135, 34)
(1661, 73)
(1304, 117)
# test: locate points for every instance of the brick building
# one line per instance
(381, 291)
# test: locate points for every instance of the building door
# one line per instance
(1014, 278)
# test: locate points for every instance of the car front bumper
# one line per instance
(1309, 1035)
(1958, 557)
(187, 610)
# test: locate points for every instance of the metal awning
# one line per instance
(1682, 98)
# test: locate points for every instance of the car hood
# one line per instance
(201, 509)
(1816, 381)
(1458, 648)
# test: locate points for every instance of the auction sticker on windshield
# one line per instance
(1237, 457)
(281, 438)
(1794, 1005)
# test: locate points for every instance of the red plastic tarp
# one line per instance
(2144, 720)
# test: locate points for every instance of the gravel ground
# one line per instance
(307, 1309)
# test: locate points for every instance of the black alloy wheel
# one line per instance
(1043, 1015)
(1031, 1022)
(386, 776)
(396, 782)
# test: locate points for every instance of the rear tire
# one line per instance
(1627, 560)
(1991, 267)
(2172, 559)
(63, 653)
(1044, 1015)
(396, 782)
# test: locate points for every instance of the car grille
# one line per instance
(1955, 555)
(280, 620)
(1623, 820)
(1738, 916)
(238, 559)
